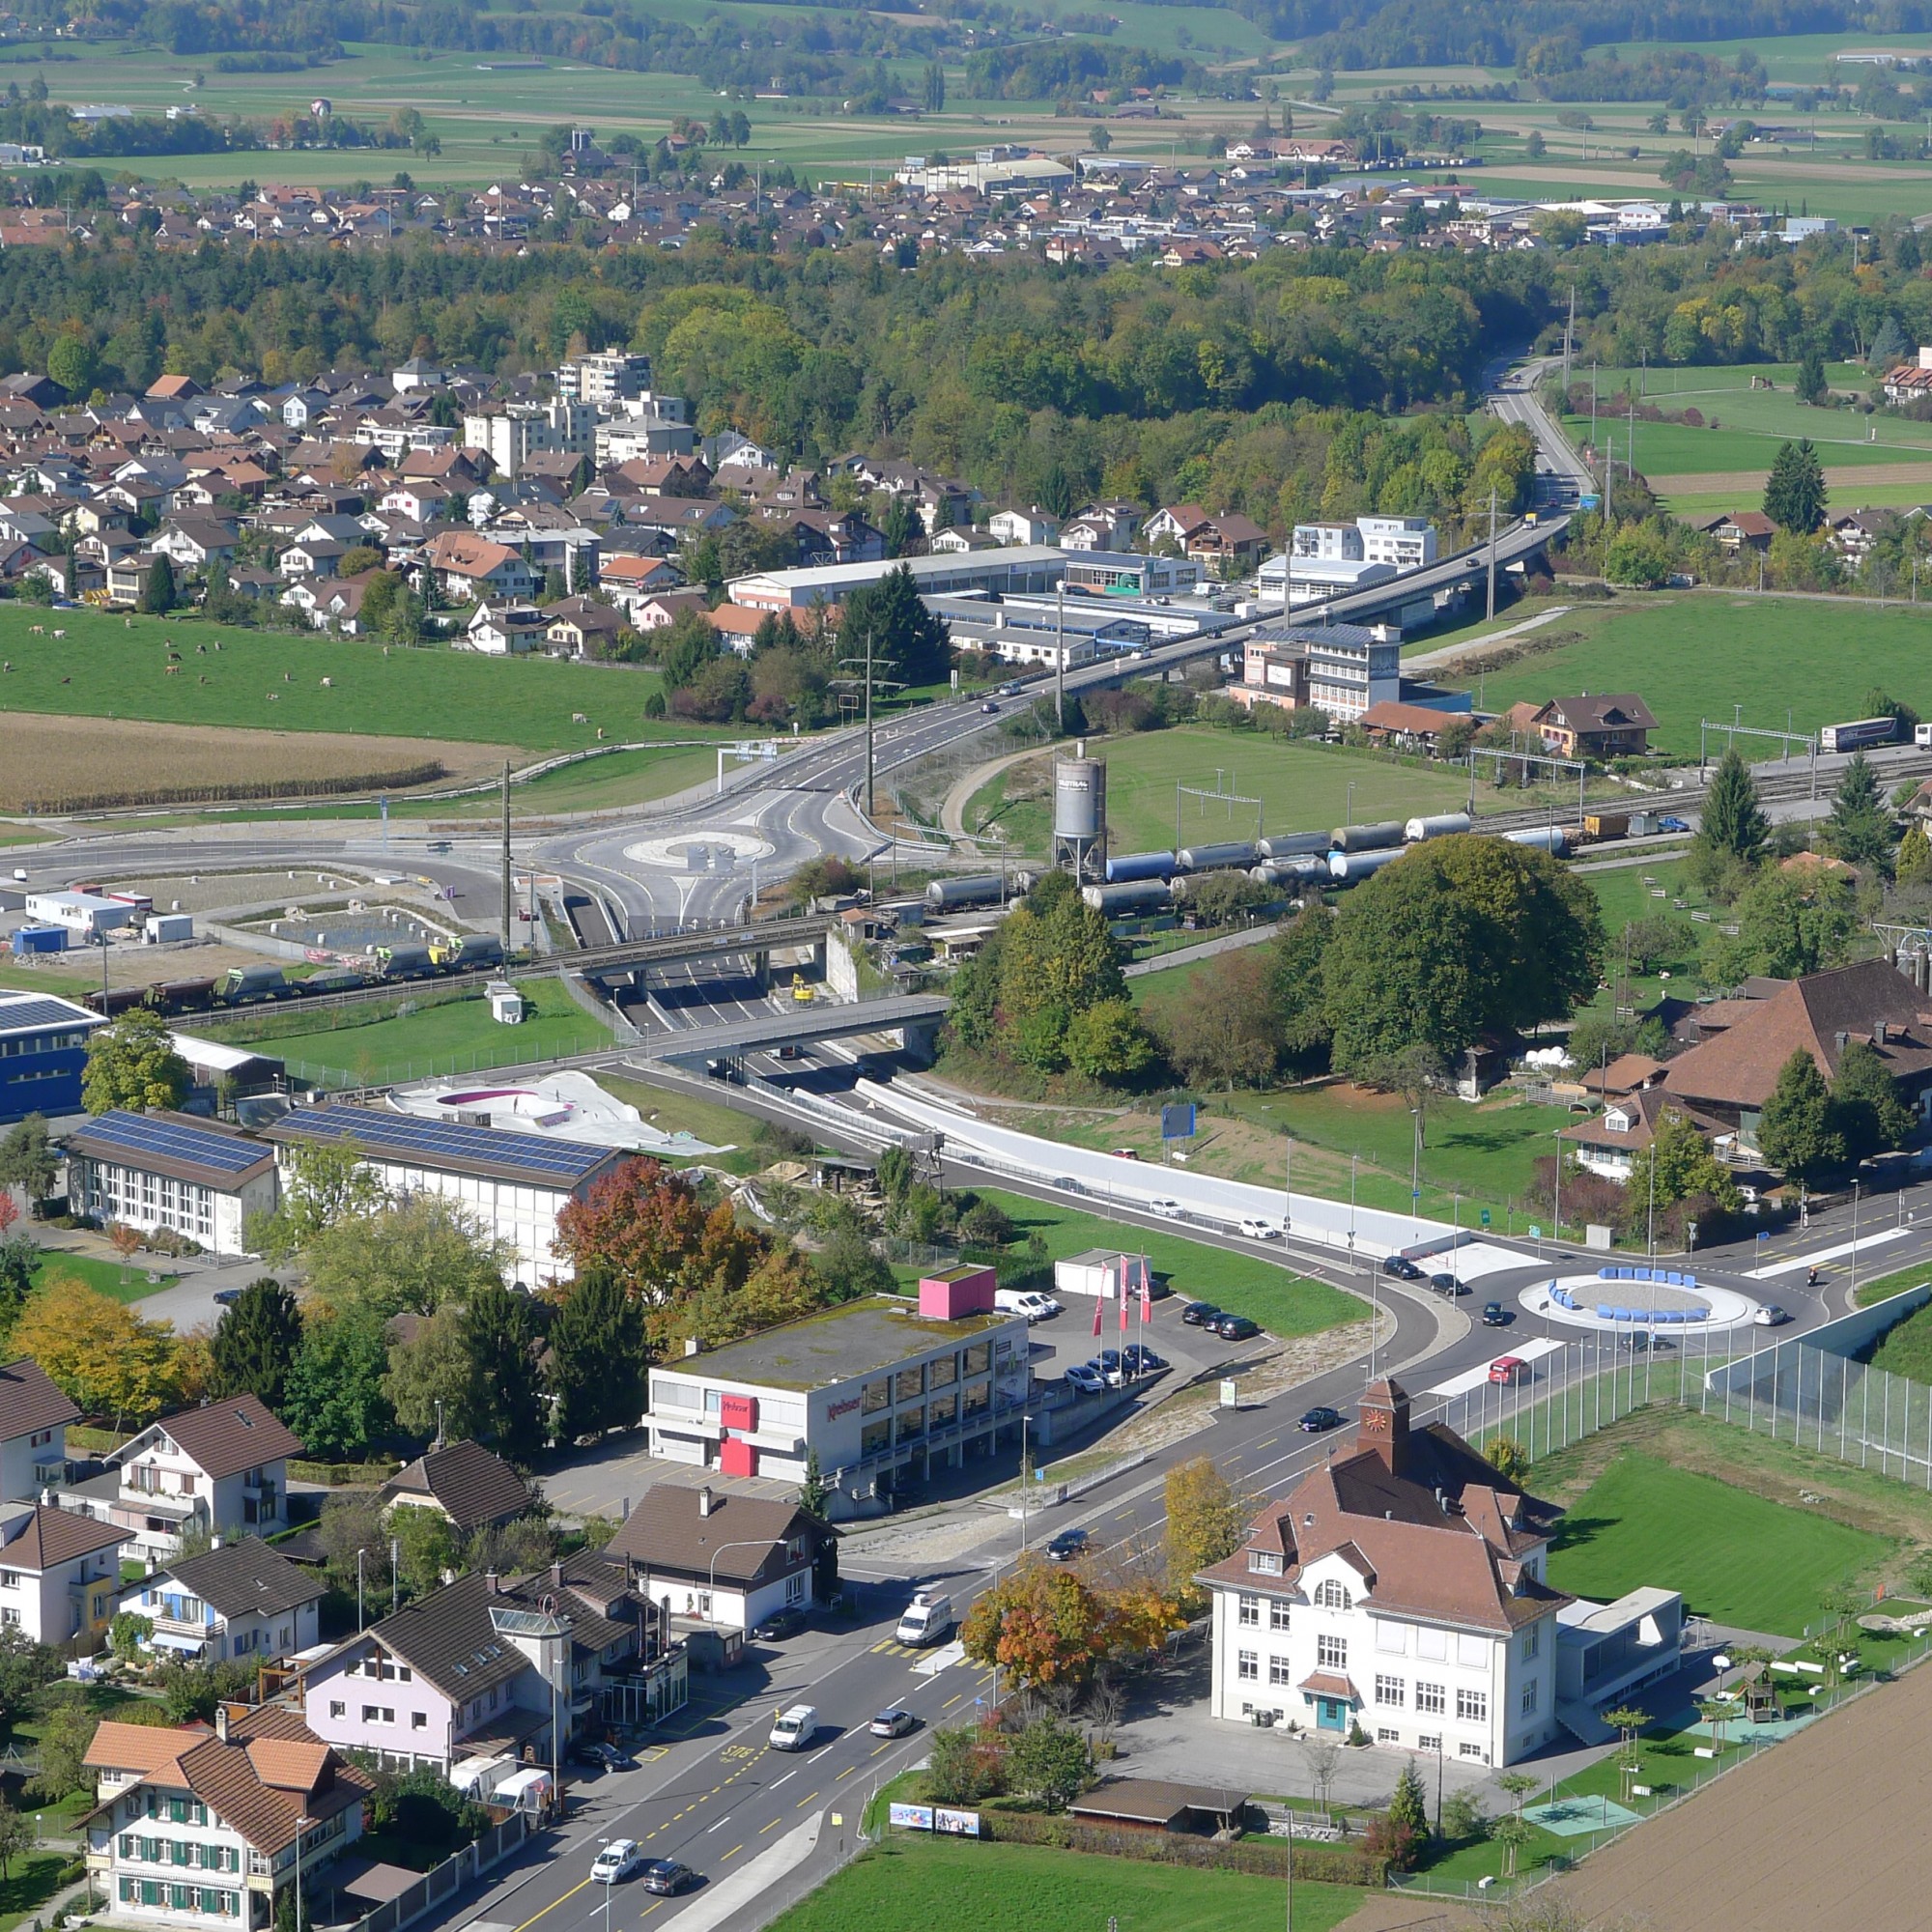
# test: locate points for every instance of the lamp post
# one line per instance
(1415, 1174)
(602, 1842)
(360, 1555)
(303, 1823)
(1025, 1419)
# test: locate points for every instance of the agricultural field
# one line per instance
(1740, 1559)
(116, 667)
(377, 1042)
(68, 765)
(1695, 655)
(1300, 787)
(903, 1885)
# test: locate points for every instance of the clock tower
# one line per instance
(1384, 1428)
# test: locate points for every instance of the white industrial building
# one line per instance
(1019, 568)
(514, 1184)
(875, 1391)
(90, 912)
(1330, 560)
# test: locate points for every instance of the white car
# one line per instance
(1085, 1380)
(1165, 1205)
(619, 1860)
(1258, 1230)
(1770, 1315)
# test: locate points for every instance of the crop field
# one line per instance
(88, 764)
(1301, 787)
(1695, 655)
(113, 667)
(1738, 1559)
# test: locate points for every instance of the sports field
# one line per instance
(1696, 655)
(1738, 1559)
(113, 667)
(1300, 787)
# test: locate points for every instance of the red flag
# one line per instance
(1124, 1294)
(1146, 1294)
(1096, 1318)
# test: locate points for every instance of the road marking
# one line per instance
(950, 1701)
(772, 1827)
(654, 1906)
(720, 1826)
(805, 1801)
(776, 1782)
(846, 1773)
(732, 1853)
(553, 1904)
(882, 1748)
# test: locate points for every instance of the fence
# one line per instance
(1819, 1400)
(395, 1072)
(441, 1881)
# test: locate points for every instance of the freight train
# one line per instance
(263, 986)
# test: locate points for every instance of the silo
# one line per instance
(1080, 816)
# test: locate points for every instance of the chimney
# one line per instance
(1878, 1032)
(214, 1541)
(694, 1345)
(221, 1720)
(491, 1587)
(556, 1576)
(704, 1500)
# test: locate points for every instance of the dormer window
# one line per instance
(1263, 1563)
(1333, 1595)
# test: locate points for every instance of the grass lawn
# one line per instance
(108, 1278)
(910, 1884)
(1889, 1285)
(1907, 1350)
(377, 1042)
(34, 1878)
(1739, 1558)
(1697, 654)
(108, 666)
(672, 1110)
(1286, 1305)
(1301, 787)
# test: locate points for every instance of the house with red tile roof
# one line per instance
(1399, 1586)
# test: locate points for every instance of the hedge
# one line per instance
(1320, 1863)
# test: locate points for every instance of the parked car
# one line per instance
(1447, 1284)
(1110, 1366)
(666, 1876)
(1319, 1418)
(1258, 1230)
(1402, 1268)
(782, 1623)
(1496, 1316)
(1068, 1545)
(1124, 1154)
(1199, 1315)
(893, 1722)
(1085, 1380)
(1141, 1360)
(619, 1860)
(227, 1298)
(1508, 1370)
(1165, 1205)
(1235, 1328)
(608, 1756)
(1770, 1315)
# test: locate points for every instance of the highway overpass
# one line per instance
(915, 1016)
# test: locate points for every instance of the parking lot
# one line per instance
(1069, 1337)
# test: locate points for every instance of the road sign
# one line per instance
(1486, 1217)
(1177, 1121)
(1535, 1232)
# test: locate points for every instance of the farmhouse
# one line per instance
(1608, 726)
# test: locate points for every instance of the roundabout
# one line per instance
(1621, 1300)
(699, 851)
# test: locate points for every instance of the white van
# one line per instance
(927, 1619)
(1921, 735)
(794, 1729)
(1024, 1301)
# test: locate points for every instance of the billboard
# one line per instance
(934, 1818)
(912, 1817)
(1177, 1121)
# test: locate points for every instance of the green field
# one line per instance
(1301, 787)
(108, 1278)
(374, 1044)
(912, 1882)
(111, 666)
(1889, 1285)
(1737, 1558)
(1697, 654)
(1286, 1305)
(1907, 1350)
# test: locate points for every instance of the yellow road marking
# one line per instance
(883, 1643)
(732, 1853)
(805, 1801)
(846, 1773)
(882, 1748)
(772, 1827)
(950, 1701)
(553, 1904)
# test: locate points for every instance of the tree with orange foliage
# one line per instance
(1041, 1623)
(646, 1225)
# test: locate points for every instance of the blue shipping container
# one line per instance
(41, 939)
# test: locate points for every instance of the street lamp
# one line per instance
(1415, 1176)
(602, 1842)
(302, 1822)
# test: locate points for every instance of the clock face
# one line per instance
(1376, 1419)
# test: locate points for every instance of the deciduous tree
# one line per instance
(1796, 1132)
(333, 1397)
(27, 1159)
(101, 1353)
(1041, 1623)
(133, 1064)
(403, 1258)
(1205, 1523)
(324, 1183)
(1866, 1107)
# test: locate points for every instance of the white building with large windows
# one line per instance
(1399, 1587)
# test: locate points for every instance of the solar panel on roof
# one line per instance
(450, 1140)
(36, 1010)
(140, 1134)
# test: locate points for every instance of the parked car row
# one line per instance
(1113, 1368)
(1218, 1321)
